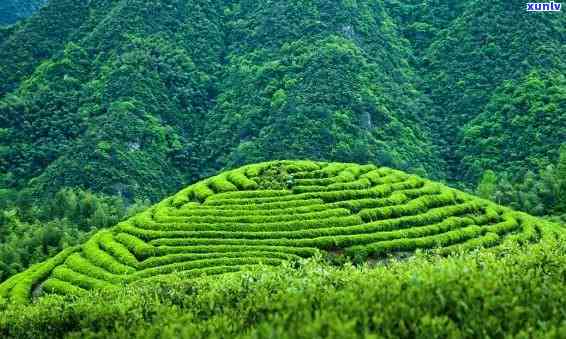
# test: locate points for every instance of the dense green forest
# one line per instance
(13, 10)
(136, 98)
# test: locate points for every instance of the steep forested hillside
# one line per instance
(135, 98)
(469, 54)
(523, 124)
(13, 10)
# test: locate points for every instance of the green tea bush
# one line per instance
(304, 252)
(269, 198)
(221, 184)
(338, 218)
(250, 194)
(248, 204)
(325, 238)
(334, 169)
(415, 206)
(236, 212)
(56, 286)
(295, 210)
(241, 181)
(64, 273)
(359, 184)
(19, 288)
(357, 205)
(186, 257)
(117, 250)
(201, 192)
(84, 266)
(140, 248)
(302, 166)
(205, 263)
(440, 240)
(93, 252)
(425, 296)
(485, 241)
(336, 212)
(254, 170)
(508, 225)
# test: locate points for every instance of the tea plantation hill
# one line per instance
(273, 212)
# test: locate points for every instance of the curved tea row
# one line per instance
(274, 212)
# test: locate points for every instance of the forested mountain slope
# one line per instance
(469, 54)
(135, 98)
(13, 10)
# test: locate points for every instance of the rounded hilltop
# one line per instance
(275, 212)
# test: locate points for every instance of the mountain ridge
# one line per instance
(135, 99)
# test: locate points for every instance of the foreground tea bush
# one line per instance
(279, 212)
(511, 291)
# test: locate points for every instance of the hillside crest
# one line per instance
(275, 212)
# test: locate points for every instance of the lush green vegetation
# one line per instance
(13, 10)
(510, 291)
(276, 212)
(107, 106)
(542, 193)
(30, 233)
(494, 74)
(91, 98)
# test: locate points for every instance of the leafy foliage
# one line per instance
(13, 10)
(421, 297)
(521, 128)
(135, 98)
(541, 194)
(361, 211)
(137, 107)
(31, 233)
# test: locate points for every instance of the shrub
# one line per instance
(86, 282)
(206, 211)
(187, 257)
(117, 250)
(241, 181)
(229, 229)
(304, 252)
(444, 239)
(81, 265)
(418, 205)
(93, 252)
(140, 248)
(487, 240)
(221, 184)
(251, 219)
(56, 286)
(201, 191)
(250, 194)
(197, 264)
(25, 282)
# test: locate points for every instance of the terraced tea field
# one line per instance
(274, 212)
